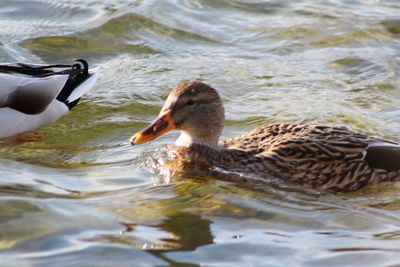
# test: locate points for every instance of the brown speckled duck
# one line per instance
(320, 157)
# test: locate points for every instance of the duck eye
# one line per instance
(189, 102)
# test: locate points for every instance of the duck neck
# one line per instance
(186, 139)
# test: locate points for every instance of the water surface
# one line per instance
(82, 196)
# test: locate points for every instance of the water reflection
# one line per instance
(187, 231)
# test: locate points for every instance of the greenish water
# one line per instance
(82, 196)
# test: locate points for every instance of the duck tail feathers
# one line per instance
(79, 82)
(83, 88)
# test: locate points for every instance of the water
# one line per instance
(82, 196)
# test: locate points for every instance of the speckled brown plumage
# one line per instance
(319, 157)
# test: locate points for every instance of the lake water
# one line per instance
(83, 196)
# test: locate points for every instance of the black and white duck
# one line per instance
(34, 95)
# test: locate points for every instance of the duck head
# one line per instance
(193, 108)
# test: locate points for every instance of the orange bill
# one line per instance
(163, 124)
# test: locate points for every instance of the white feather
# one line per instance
(85, 86)
(13, 121)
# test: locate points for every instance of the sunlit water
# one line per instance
(82, 196)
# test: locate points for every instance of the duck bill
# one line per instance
(162, 125)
